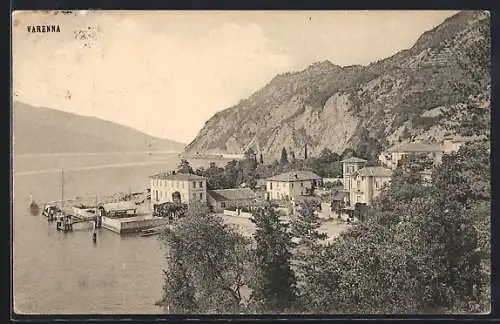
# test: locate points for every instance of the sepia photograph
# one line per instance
(251, 162)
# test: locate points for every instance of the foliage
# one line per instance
(334, 184)
(284, 157)
(426, 248)
(184, 167)
(369, 147)
(348, 152)
(207, 265)
(305, 228)
(273, 287)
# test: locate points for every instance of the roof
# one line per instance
(119, 206)
(416, 147)
(374, 171)
(353, 160)
(177, 176)
(232, 194)
(295, 176)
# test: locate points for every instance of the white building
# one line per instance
(291, 184)
(391, 157)
(177, 187)
(367, 183)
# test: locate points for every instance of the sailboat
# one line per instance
(34, 209)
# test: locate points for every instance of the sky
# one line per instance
(166, 73)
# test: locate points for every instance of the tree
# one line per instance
(361, 272)
(184, 167)
(348, 152)
(250, 154)
(305, 228)
(328, 156)
(216, 178)
(284, 157)
(233, 174)
(426, 250)
(207, 264)
(273, 287)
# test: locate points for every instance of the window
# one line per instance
(194, 196)
(376, 184)
(358, 184)
(270, 186)
(201, 184)
(156, 195)
(302, 184)
(223, 204)
(201, 195)
(194, 184)
(291, 185)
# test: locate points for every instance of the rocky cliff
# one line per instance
(438, 87)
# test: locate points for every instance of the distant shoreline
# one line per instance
(88, 168)
(92, 153)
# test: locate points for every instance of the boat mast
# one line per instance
(62, 189)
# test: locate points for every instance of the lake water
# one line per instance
(66, 273)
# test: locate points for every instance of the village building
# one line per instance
(218, 200)
(391, 157)
(435, 151)
(349, 167)
(367, 183)
(118, 209)
(290, 185)
(175, 187)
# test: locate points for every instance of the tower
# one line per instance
(349, 167)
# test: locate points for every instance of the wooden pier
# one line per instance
(73, 215)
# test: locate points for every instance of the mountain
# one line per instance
(44, 130)
(438, 87)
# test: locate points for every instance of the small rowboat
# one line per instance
(150, 231)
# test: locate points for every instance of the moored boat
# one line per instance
(149, 232)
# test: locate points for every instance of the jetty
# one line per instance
(120, 213)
